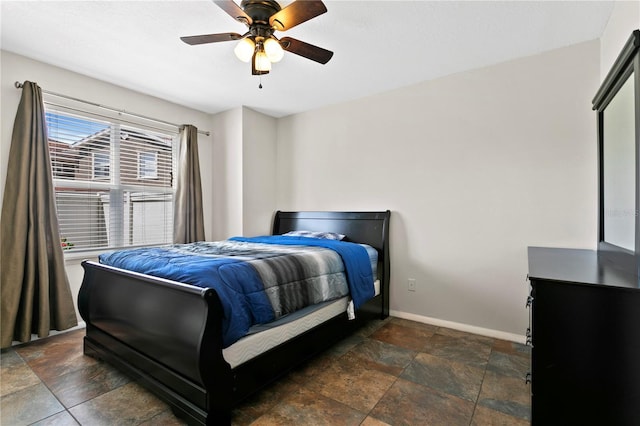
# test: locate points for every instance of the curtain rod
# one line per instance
(120, 111)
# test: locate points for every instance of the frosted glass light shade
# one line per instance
(244, 49)
(262, 61)
(273, 50)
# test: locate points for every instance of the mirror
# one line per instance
(619, 168)
(617, 103)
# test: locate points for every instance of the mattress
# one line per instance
(262, 338)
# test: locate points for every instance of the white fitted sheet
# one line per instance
(253, 345)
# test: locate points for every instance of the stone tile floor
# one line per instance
(395, 372)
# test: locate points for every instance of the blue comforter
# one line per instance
(235, 277)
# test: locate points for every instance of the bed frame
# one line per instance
(168, 335)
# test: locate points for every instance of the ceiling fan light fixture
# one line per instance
(244, 49)
(262, 62)
(274, 51)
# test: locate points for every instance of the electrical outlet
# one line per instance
(411, 284)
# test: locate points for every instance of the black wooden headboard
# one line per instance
(370, 228)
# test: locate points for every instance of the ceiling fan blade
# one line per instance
(234, 11)
(296, 13)
(210, 38)
(306, 50)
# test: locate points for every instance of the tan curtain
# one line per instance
(35, 293)
(188, 221)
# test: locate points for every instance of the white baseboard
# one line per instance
(460, 327)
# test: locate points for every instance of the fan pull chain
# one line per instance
(260, 85)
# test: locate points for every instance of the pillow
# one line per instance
(315, 234)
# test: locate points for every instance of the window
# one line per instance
(147, 165)
(113, 181)
(100, 164)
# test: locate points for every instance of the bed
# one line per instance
(168, 335)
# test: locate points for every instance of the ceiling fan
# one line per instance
(264, 17)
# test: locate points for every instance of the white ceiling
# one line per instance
(377, 45)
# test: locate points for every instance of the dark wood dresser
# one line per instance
(585, 337)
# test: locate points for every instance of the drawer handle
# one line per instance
(529, 339)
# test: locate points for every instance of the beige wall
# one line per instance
(18, 68)
(259, 172)
(244, 173)
(227, 172)
(475, 167)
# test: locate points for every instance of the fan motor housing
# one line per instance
(260, 10)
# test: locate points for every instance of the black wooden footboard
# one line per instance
(165, 333)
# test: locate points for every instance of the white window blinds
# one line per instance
(113, 181)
